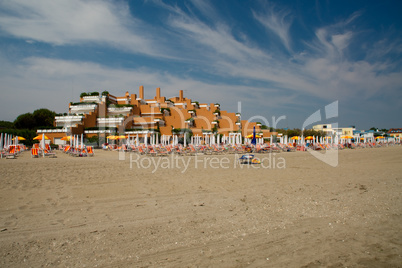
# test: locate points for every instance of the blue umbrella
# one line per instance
(254, 141)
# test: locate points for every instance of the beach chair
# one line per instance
(151, 151)
(90, 151)
(161, 151)
(35, 153)
(11, 154)
(192, 150)
(49, 153)
(140, 150)
(216, 149)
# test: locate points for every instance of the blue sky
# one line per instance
(279, 58)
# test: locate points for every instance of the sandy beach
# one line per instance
(104, 212)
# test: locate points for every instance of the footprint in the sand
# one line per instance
(59, 212)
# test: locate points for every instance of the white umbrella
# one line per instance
(43, 141)
(146, 139)
(185, 139)
(1, 141)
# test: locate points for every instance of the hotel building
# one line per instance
(104, 114)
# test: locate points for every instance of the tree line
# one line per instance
(25, 125)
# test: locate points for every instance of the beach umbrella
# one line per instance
(66, 138)
(185, 139)
(379, 137)
(251, 136)
(41, 136)
(346, 137)
(253, 140)
(1, 141)
(19, 138)
(294, 138)
(309, 138)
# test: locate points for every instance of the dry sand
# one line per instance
(99, 212)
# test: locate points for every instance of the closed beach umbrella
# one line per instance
(43, 144)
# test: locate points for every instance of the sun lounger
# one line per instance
(49, 154)
(35, 152)
(11, 154)
(140, 150)
(90, 151)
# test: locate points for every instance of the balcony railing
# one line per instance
(110, 121)
(82, 108)
(119, 110)
(68, 120)
(54, 130)
(96, 99)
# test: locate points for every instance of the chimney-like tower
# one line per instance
(158, 93)
(141, 92)
(181, 95)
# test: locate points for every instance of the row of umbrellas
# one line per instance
(39, 137)
(342, 137)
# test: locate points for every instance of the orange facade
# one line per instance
(132, 113)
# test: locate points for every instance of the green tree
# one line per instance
(44, 117)
(6, 124)
(26, 120)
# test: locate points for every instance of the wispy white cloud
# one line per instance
(278, 22)
(75, 22)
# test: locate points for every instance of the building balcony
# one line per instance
(110, 121)
(97, 99)
(84, 108)
(68, 120)
(99, 131)
(148, 121)
(123, 99)
(119, 110)
(54, 130)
